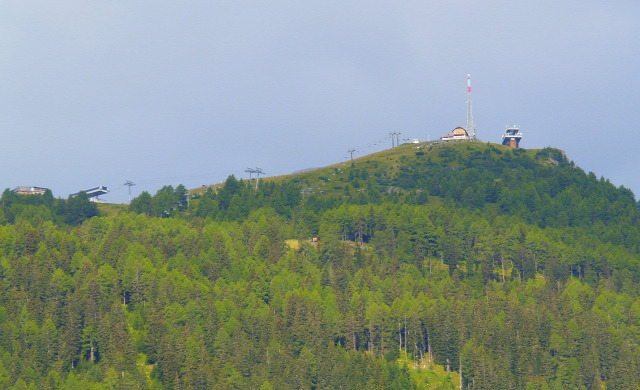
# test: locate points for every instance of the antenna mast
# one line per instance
(471, 127)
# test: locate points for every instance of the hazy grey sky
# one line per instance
(169, 92)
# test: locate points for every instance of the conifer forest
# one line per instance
(462, 265)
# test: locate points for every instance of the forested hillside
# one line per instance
(463, 264)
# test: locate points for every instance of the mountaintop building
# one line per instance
(24, 190)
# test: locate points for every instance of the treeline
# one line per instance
(44, 207)
(231, 202)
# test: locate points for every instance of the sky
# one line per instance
(189, 92)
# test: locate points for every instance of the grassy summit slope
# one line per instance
(540, 186)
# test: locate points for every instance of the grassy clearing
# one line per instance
(293, 244)
(112, 209)
(430, 376)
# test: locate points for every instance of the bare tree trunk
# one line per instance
(519, 276)
(429, 347)
(400, 337)
(423, 344)
(461, 373)
(360, 234)
(502, 262)
(405, 338)
(512, 267)
(370, 337)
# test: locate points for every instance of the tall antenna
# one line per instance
(130, 184)
(471, 127)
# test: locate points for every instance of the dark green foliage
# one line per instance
(80, 208)
(38, 208)
(167, 202)
(142, 204)
(236, 199)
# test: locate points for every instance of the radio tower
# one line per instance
(471, 127)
